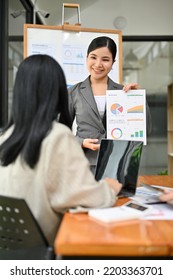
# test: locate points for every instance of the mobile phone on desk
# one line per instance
(135, 207)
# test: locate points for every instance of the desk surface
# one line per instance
(80, 235)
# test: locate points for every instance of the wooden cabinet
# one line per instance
(170, 129)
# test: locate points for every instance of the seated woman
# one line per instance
(40, 159)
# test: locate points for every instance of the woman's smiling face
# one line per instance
(99, 63)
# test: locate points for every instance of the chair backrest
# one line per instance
(20, 234)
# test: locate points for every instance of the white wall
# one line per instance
(149, 17)
(144, 17)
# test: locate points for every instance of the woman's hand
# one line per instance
(91, 144)
(114, 184)
(167, 196)
(131, 86)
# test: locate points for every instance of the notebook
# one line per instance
(120, 159)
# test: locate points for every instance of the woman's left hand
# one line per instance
(131, 86)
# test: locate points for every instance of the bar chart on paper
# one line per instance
(137, 134)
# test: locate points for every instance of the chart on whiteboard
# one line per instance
(126, 115)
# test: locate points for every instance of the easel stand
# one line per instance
(66, 25)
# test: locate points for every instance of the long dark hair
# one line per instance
(103, 41)
(39, 97)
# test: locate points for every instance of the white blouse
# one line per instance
(101, 104)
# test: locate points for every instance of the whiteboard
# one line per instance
(69, 48)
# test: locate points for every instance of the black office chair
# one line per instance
(21, 238)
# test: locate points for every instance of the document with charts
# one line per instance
(126, 115)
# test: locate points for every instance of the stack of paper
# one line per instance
(113, 214)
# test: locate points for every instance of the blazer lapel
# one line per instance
(87, 94)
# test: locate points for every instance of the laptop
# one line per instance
(120, 159)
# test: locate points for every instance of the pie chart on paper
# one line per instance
(116, 109)
(116, 133)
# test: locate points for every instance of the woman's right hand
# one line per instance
(114, 184)
(167, 196)
(91, 144)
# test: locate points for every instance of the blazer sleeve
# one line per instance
(71, 102)
(72, 92)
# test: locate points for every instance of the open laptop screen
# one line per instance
(120, 159)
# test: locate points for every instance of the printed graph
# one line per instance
(116, 109)
(116, 133)
(136, 109)
(137, 134)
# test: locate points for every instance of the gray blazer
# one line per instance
(82, 105)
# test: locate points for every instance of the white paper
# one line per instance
(162, 211)
(144, 195)
(46, 48)
(114, 214)
(126, 115)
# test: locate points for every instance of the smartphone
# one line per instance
(140, 208)
(155, 190)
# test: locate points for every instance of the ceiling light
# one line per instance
(120, 22)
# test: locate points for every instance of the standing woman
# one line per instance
(87, 99)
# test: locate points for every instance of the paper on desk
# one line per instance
(144, 195)
(160, 212)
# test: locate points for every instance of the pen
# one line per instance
(157, 202)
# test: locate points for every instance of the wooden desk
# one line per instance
(80, 235)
